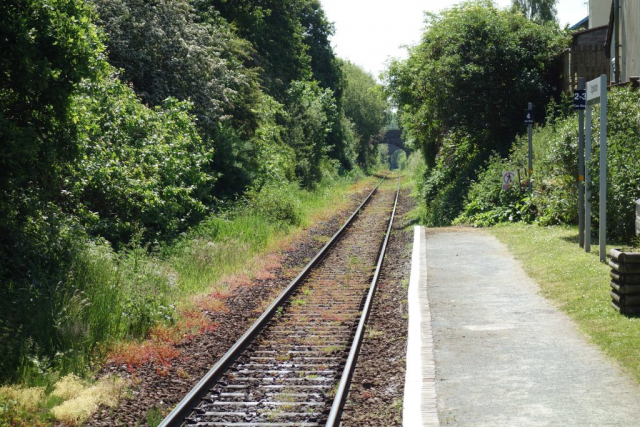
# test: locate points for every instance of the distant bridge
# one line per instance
(393, 139)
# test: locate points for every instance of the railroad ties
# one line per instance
(288, 372)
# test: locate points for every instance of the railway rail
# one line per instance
(294, 365)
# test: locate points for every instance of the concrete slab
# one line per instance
(505, 356)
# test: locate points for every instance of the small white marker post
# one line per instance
(597, 93)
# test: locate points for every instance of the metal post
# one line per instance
(530, 107)
(581, 170)
(603, 168)
(616, 41)
(587, 183)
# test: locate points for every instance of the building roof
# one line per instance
(584, 21)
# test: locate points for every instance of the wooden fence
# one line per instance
(586, 57)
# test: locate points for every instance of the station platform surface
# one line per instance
(486, 349)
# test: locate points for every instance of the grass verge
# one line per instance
(578, 283)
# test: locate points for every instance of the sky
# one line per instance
(369, 32)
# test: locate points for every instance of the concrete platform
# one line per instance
(504, 355)
(420, 405)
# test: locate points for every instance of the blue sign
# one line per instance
(579, 99)
(528, 117)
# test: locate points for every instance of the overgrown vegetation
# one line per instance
(461, 93)
(555, 193)
(148, 149)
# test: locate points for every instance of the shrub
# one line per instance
(140, 170)
(277, 202)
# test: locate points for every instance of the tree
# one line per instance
(366, 106)
(47, 47)
(537, 10)
(474, 70)
(461, 93)
(274, 30)
(310, 112)
(327, 71)
(166, 50)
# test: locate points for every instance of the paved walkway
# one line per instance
(504, 355)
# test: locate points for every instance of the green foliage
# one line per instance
(537, 10)
(275, 202)
(47, 47)
(555, 196)
(366, 106)
(274, 29)
(166, 50)
(488, 204)
(310, 112)
(623, 157)
(474, 70)
(120, 197)
(140, 169)
(446, 184)
(461, 92)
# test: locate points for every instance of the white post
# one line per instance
(587, 182)
(603, 168)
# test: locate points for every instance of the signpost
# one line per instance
(597, 93)
(528, 119)
(580, 103)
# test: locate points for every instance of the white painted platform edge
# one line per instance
(420, 406)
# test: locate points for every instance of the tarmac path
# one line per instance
(504, 355)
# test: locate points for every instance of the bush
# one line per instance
(140, 169)
(623, 169)
(446, 184)
(276, 202)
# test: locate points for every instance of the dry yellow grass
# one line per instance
(27, 399)
(82, 400)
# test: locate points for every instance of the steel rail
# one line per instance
(347, 374)
(178, 415)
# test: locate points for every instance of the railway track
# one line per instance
(293, 367)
